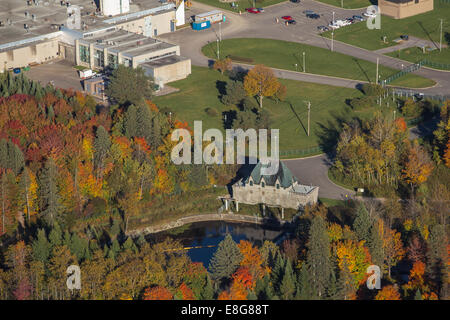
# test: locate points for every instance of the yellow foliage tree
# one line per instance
(261, 81)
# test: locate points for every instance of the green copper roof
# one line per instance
(284, 175)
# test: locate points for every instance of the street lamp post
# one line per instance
(220, 31)
(304, 65)
(332, 40)
(295, 67)
(218, 50)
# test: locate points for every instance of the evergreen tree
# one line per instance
(144, 122)
(130, 122)
(16, 160)
(3, 154)
(49, 192)
(376, 246)
(287, 287)
(102, 145)
(304, 289)
(318, 256)
(437, 256)
(418, 295)
(55, 235)
(362, 223)
(41, 247)
(208, 291)
(225, 260)
(333, 288)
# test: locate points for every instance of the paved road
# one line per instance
(314, 171)
(305, 31)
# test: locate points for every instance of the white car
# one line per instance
(370, 14)
(334, 26)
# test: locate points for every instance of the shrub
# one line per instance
(211, 112)
(372, 90)
(362, 103)
(411, 109)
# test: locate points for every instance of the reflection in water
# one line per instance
(211, 233)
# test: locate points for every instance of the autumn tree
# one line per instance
(388, 293)
(157, 293)
(261, 82)
(393, 247)
(417, 168)
(102, 145)
(223, 65)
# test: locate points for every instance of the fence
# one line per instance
(300, 152)
(410, 93)
(436, 65)
(410, 68)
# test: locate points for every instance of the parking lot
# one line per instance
(60, 72)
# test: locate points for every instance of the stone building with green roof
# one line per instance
(279, 190)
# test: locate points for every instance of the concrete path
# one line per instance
(410, 43)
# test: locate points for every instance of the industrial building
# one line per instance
(94, 34)
(399, 9)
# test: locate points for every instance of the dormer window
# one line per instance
(278, 186)
(251, 183)
(263, 184)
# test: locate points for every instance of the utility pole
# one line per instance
(394, 115)
(309, 114)
(304, 65)
(342, 3)
(440, 38)
(220, 31)
(333, 17)
(218, 52)
(332, 38)
(376, 80)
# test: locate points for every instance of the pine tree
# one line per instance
(49, 192)
(362, 223)
(418, 295)
(102, 145)
(16, 160)
(41, 247)
(225, 260)
(376, 246)
(287, 287)
(333, 287)
(55, 235)
(208, 291)
(130, 122)
(304, 289)
(144, 122)
(3, 154)
(318, 256)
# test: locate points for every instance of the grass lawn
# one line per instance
(284, 55)
(201, 90)
(441, 59)
(425, 26)
(242, 4)
(348, 4)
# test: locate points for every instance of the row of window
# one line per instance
(263, 185)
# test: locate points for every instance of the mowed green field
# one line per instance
(440, 59)
(284, 55)
(201, 90)
(424, 26)
(348, 4)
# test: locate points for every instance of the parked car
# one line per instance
(334, 26)
(295, 1)
(358, 18)
(308, 12)
(404, 37)
(313, 16)
(252, 10)
(287, 18)
(291, 22)
(322, 28)
(16, 70)
(351, 20)
(369, 14)
(260, 9)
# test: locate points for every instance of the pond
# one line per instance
(205, 236)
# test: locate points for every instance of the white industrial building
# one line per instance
(125, 31)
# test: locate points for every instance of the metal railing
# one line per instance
(401, 73)
(436, 65)
(300, 152)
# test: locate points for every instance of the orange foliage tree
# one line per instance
(261, 82)
(157, 293)
(388, 293)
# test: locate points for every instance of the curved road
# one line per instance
(305, 31)
(312, 170)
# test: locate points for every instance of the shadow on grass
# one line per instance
(297, 116)
(427, 34)
(362, 69)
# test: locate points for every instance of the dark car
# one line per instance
(322, 28)
(358, 18)
(295, 1)
(291, 22)
(404, 37)
(313, 16)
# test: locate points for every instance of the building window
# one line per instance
(263, 184)
(112, 61)
(251, 183)
(99, 59)
(84, 54)
(127, 62)
(278, 186)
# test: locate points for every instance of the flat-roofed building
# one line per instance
(399, 9)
